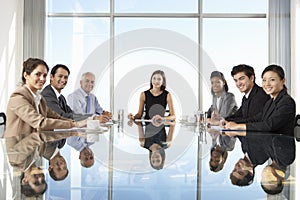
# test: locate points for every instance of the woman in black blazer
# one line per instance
(279, 112)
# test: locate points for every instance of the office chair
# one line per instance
(2, 123)
(297, 128)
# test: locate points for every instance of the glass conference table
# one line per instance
(183, 167)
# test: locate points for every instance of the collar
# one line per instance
(281, 93)
(54, 153)
(37, 97)
(83, 92)
(247, 95)
(55, 91)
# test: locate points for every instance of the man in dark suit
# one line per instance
(56, 101)
(254, 98)
(254, 149)
(258, 147)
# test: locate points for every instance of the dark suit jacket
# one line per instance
(254, 146)
(264, 145)
(52, 102)
(284, 150)
(256, 101)
(278, 116)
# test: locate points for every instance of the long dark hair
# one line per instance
(163, 157)
(30, 64)
(278, 70)
(163, 86)
(220, 76)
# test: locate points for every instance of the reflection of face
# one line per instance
(37, 78)
(271, 83)
(271, 177)
(241, 169)
(217, 85)
(59, 166)
(87, 84)
(155, 159)
(157, 81)
(216, 158)
(243, 82)
(86, 157)
(36, 179)
(60, 79)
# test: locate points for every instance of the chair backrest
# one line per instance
(2, 123)
(297, 128)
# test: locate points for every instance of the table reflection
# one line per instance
(144, 160)
(259, 148)
(24, 155)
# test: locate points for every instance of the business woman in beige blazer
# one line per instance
(27, 111)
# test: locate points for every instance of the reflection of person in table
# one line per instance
(33, 182)
(253, 147)
(282, 153)
(155, 139)
(155, 100)
(258, 148)
(221, 144)
(58, 169)
(23, 155)
(86, 155)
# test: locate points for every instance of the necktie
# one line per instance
(62, 103)
(88, 104)
(245, 106)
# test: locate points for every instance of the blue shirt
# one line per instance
(77, 102)
(78, 143)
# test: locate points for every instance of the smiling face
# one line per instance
(241, 169)
(37, 78)
(157, 81)
(272, 84)
(35, 178)
(59, 166)
(217, 85)
(86, 157)
(243, 82)
(156, 159)
(60, 79)
(87, 83)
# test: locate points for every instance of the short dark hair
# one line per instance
(248, 70)
(247, 180)
(56, 67)
(30, 64)
(53, 175)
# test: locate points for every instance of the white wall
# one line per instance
(11, 47)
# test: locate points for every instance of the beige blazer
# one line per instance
(23, 118)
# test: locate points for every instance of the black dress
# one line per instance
(155, 105)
